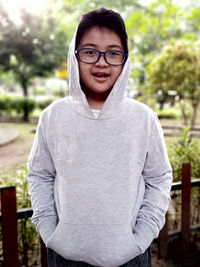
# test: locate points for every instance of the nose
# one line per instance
(101, 61)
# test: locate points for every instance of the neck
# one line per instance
(96, 100)
(94, 103)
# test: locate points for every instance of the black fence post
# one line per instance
(9, 226)
(43, 254)
(185, 219)
(163, 240)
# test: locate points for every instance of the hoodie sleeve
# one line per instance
(41, 175)
(157, 174)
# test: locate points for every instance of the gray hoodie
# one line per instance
(99, 188)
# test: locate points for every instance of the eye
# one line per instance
(114, 53)
(89, 52)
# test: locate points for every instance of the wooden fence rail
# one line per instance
(9, 216)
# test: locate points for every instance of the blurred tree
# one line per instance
(192, 16)
(36, 47)
(72, 10)
(149, 30)
(87, 5)
(177, 69)
(43, 39)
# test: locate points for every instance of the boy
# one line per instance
(99, 174)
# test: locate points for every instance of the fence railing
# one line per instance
(186, 229)
(10, 215)
(8, 219)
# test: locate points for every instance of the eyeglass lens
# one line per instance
(91, 56)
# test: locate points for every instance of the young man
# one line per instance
(99, 173)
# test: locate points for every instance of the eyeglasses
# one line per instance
(91, 56)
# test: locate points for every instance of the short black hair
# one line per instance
(102, 18)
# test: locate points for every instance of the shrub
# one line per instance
(187, 149)
(10, 104)
(17, 105)
(42, 104)
(28, 238)
(176, 70)
(166, 114)
(39, 91)
(5, 104)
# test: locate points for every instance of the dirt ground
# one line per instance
(14, 154)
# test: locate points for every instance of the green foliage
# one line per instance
(187, 149)
(42, 104)
(19, 104)
(177, 69)
(149, 29)
(152, 28)
(15, 105)
(39, 44)
(19, 180)
(39, 91)
(4, 103)
(33, 48)
(28, 239)
(167, 114)
(194, 19)
(87, 5)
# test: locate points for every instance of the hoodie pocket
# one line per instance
(107, 245)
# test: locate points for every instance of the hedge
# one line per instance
(15, 104)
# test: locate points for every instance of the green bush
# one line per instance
(166, 114)
(187, 149)
(10, 104)
(17, 105)
(28, 239)
(39, 91)
(42, 104)
(172, 112)
(5, 103)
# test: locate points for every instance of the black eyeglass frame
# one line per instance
(77, 52)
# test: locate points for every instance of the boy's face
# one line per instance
(98, 78)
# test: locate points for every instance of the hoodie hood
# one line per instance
(78, 97)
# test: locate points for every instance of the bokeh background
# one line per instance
(164, 47)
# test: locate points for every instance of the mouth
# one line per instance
(100, 76)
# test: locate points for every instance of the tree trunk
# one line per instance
(161, 105)
(25, 92)
(195, 106)
(185, 117)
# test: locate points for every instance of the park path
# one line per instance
(15, 153)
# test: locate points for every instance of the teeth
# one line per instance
(100, 75)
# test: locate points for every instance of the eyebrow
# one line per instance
(95, 46)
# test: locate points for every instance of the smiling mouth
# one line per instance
(100, 74)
